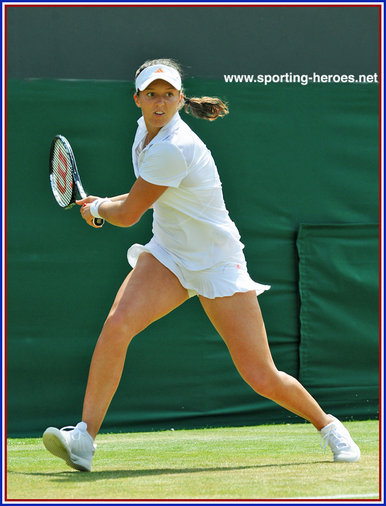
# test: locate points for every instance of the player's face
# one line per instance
(159, 103)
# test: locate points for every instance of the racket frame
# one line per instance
(75, 177)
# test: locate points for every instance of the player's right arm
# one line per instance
(119, 197)
(125, 210)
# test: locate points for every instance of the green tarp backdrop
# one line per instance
(299, 166)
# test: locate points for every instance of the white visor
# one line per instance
(164, 72)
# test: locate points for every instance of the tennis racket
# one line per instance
(64, 176)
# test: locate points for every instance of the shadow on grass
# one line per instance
(76, 476)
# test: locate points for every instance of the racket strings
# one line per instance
(61, 175)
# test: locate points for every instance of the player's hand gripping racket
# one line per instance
(64, 175)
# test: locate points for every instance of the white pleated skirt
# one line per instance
(221, 280)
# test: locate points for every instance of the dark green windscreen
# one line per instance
(299, 166)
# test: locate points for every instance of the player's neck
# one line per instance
(151, 133)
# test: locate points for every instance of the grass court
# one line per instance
(255, 463)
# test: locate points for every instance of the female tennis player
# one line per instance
(195, 250)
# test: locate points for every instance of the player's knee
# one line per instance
(264, 383)
(118, 328)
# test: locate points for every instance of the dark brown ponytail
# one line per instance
(209, 108)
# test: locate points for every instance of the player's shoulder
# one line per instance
(181, 141)
(186, 139)
(166, 154)
(166, 147)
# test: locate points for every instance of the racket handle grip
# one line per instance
(98, 222)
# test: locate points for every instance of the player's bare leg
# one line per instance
(149, 292)
(239, 321)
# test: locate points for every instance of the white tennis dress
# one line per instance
(193, 235)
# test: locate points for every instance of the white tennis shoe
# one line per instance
(338, 438)
(72, 444)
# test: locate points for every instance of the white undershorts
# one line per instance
(222, 280)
